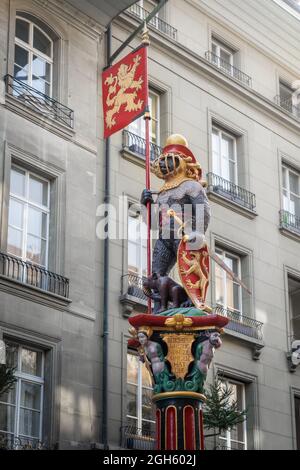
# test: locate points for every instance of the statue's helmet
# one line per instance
(176, 157)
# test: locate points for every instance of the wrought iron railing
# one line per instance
(137, 439)
(227, 68)
(241, 324)
(289, 221)
(33, 275)
(231, 191)
(157, 23)
(288, 105)
(137, 144)
(41, 103)
(11, 442)
(132, 284)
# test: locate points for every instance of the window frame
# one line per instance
(139, 396)
(31, 379)
(292, 317)
(220, 46)
(286, 168)
(26, 205)
(228, 439)
(220, 131)
(32, 51)
(140, 121)
(140, 246)
(224, 280)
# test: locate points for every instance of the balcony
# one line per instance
(10, 442)
(287, 105)
(244, 328)
(136, 146)
(132, 293)
(157, 23)
(289, 224)
(136, 439)
(44, 105)
(241, 324)
(227, 191)
(33, 275)
(228, 69)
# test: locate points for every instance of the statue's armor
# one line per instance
(190, 194)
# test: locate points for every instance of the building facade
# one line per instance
(224, 75)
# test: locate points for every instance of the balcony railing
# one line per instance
(290, 222)
(137, 439)
(157, 23)
(41, 103)
(227, 68)
(132, 284)
(136, 144)
(241, 324)
(33, 275)
(10, 442)
(287, 105)
(230, 191)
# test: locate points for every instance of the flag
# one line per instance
(125, 91)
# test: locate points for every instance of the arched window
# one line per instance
(33, 60)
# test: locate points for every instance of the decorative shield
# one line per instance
(193, 267)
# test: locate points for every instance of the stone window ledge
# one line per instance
(14, 105)
(34, 294)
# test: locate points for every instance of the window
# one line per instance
(228, 292)
(28, 222)
(236, 437)
(138, 126)
(21, 408)
(222, 56)
(288, 99)
(140, 416)
(291, 190)
(224, 155)
(294, 306)
(142, 8)
(285, 91)
(137, 244)
(33, 62)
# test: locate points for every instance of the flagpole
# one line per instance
(147, 118)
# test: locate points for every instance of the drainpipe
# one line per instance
(106, 275)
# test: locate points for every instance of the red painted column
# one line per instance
(158, 430)
(189, 434)
(171, 428)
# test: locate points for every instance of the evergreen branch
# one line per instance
(221, 412)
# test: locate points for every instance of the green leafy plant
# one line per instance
(221, 412)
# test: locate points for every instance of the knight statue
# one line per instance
(183, 193)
